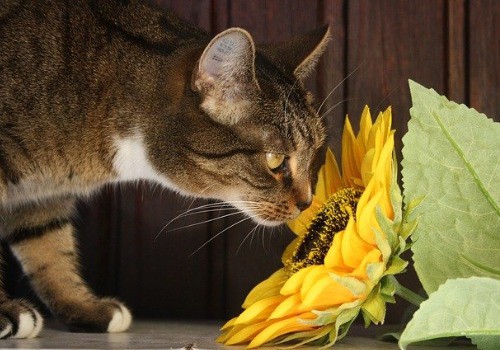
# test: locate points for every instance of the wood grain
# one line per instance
(484, 57)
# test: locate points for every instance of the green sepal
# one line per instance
(387, 228)
(397, 265)
(387, 290)
(373, 308)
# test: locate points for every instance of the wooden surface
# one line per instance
(172, 335)
(452, 46)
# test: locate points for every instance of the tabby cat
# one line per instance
(94, 92)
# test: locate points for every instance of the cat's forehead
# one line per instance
(284, 117)
(291, 117)
(291, 129)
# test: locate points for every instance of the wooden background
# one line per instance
(452, 46)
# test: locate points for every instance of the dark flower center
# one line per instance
(329, 220)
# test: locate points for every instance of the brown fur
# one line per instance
(95, 92)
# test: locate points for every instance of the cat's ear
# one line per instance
(300, 54)
(225, 75)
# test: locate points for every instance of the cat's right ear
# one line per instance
(300, 54)
(225, 76)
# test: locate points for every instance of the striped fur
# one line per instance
(94, 92)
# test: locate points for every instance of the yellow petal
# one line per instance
(288, 307)
(333, 181)
(354, 248)
(260, 310)
(228, 324)
(314, 274)
(365, 125)
(266, 288)
(366, 219)
(326, 293)
(244, 333)
(367, 167)
(383, 174)
(294, 283)
(280, 328)
(333, 258)
(372, 257)
(350, 170)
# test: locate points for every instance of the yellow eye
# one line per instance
(274, 160)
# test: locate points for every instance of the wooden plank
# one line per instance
(484, 57)
(272, 21)
(391, 42)
(95, 225)
(332, 72)
(197, 12)
(456, 52)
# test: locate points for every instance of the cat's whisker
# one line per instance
(377, 107)
(220, 205)
(209, 208)
(337, 86)
(203, 222)
(244, 239)
(196, 210)
(335, 106)
(221, 232)
(201, 193)
(263, 242)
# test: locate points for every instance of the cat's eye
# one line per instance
(274, 160)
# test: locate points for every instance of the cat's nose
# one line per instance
(304, 204)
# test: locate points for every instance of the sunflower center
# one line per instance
(330, 219)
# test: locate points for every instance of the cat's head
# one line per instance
(258, 153)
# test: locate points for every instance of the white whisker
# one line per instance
(244, 239)
(221, 232)
(336, 86)
(219, 205)
(336, 105)
(204, 221)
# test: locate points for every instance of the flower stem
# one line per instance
(407, 294)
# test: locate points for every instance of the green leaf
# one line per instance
(452, 160)
(460, 307)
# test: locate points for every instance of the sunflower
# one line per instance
(346, 252)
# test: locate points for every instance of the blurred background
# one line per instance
(452, 46)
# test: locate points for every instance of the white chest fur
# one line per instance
(131, 161)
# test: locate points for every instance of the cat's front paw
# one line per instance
(121, 319)
(19, 319)
(102, 315)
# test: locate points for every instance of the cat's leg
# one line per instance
(41, 237)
